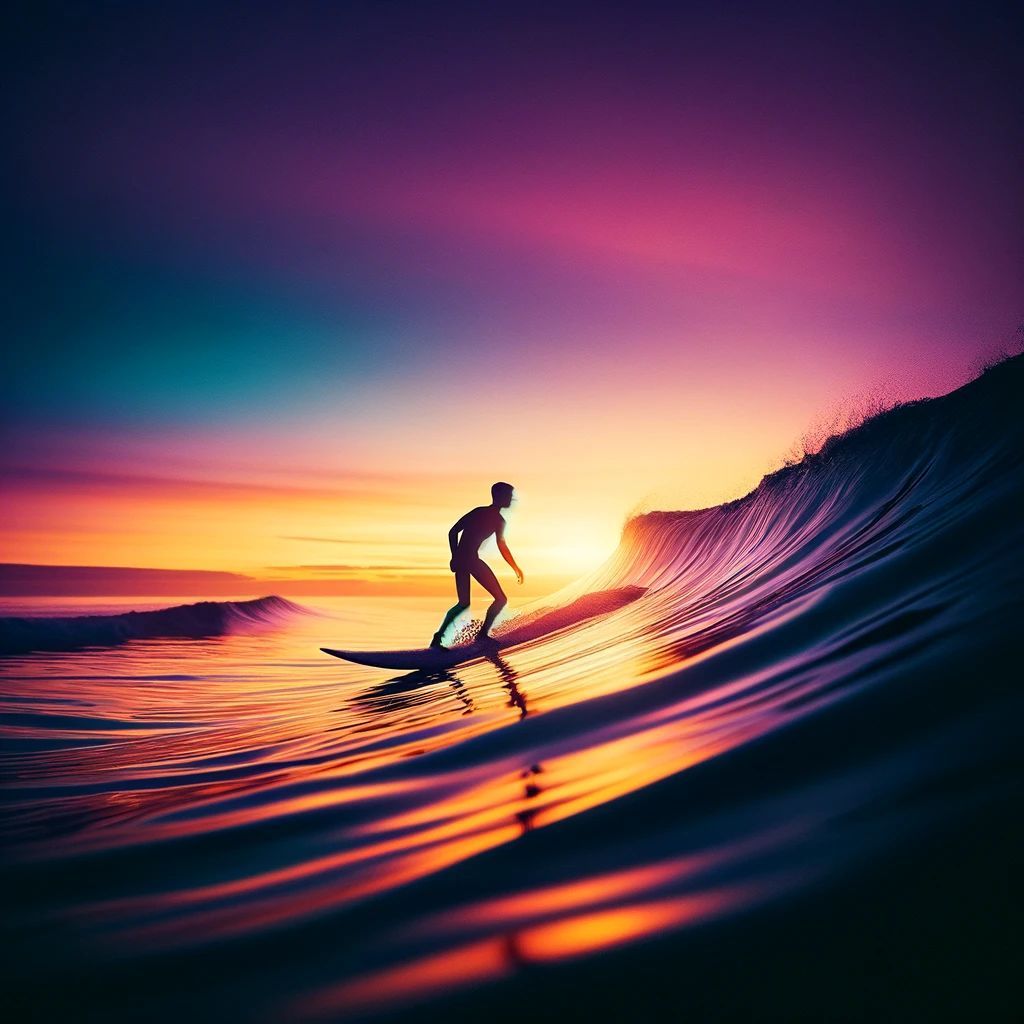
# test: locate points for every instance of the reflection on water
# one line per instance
(245, 785)
(510, 680)
(255, 784)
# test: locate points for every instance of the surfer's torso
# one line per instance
(481, 523)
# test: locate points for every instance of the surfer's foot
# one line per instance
(436, 642)
(487, 639)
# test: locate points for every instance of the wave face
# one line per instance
(912, 516)
(203, 619)
(782, 784)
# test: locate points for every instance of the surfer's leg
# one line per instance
(485, 577)
(462, 590)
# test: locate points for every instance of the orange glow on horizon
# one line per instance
(334, 531)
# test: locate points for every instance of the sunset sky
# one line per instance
(291, 290)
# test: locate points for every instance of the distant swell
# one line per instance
(204, 619)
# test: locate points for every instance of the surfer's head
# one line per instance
(501, 494)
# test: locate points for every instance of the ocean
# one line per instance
(782, 781)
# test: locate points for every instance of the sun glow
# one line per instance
(580, 554)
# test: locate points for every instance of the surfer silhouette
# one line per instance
(475, 527)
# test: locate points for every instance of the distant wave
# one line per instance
(203, 619)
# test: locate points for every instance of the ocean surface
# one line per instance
(780, 779)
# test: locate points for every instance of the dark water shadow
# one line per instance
(412, 689)
(510, 682)
(407, 690)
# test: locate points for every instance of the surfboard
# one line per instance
(425, 659)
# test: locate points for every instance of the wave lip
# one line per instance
(193, 621)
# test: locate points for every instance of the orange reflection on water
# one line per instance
(437, 833)
(494, 957)
(588, 933)
(571, 895)
(273, 899)
(572, 782)
(334, 755)
(452, 969)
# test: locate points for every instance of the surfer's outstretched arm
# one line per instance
(507, 555)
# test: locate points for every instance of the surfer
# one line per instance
(476, 526)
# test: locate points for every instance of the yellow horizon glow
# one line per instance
(398, 530)
(281, 500)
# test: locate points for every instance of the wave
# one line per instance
(820, 694)
(202, 619)
(914, 496)
(550, 615)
